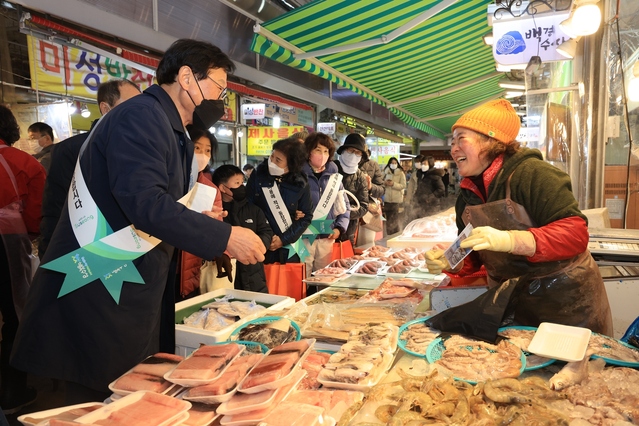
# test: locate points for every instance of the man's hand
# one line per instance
(245, 246)
(276, 243)
(216, 212)
(224, 267)
(369, 182)
(334, 235)
(299, 214)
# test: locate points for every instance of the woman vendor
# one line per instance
(526, 224)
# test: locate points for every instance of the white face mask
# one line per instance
(393, 166)
(424, 167)
(274, 169)
(202, 161)
(418, 165)
(349, 159)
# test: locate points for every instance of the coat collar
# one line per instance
(167, 105)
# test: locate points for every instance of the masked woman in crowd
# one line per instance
(394, 185)
(280, 188)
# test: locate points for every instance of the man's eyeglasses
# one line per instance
(223, 89)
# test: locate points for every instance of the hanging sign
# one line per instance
(327, 128)
(253, 111)
(230, 106)
(383, 152)
(73, 71)
(517, 40)
(260, 140)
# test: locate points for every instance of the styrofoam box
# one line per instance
(188, 339)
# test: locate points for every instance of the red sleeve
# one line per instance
(32, 213)
(472, 264)
(560, 240)
(201, 178)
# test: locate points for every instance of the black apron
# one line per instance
(569, 292)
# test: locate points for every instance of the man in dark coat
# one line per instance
(229, 180)
(138, 163)
(65, 155)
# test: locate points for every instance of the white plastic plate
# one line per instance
(563, 342)
(39, 416)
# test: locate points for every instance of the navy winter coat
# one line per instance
(136, 166)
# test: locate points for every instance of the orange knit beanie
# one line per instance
(496, 119)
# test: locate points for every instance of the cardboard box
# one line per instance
(188, 339)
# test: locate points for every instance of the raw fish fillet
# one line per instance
(151, 409)
(276, 358)
(158, 364)
(71, 414)
(298, 346)
(200, 414)
(304, 415)
(249, 399)
(224, 384)
(245, 363)
(139, 381)
(223, 351)
(198, 367)
(57, 422)
(266, 374)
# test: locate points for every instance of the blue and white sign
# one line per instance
(253, 111)
(517, 40)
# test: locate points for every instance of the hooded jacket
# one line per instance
(244, 214)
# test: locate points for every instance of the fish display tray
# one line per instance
(381, 370)
(265, 320)
(201, 382)
(563, 342)
(619, 362)
(52, 412)
(402, 342)
(528, 366)
(282, 382)
(188, 339)
(437, 348)
(107, 410)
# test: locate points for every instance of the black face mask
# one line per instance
(208, 112)
(239, 193)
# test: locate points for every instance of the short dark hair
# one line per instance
(248, 167)
(109, 91)
(222, 174)
(318, 138)
(41, 128)
(196, 133)
(431, 161)
(200, 56)
(295, 153)
(9, 129)
(419, 158)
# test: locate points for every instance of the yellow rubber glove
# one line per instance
(435, 261)
(488, 238)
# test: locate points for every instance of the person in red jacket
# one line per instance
(204, 145)
(22, 180)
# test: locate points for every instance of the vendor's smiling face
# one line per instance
(467, 149)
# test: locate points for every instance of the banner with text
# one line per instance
(260, 140)
(74, 71)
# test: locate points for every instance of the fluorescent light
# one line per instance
(514, 93)
(514, 105)
(521, 113)
(507, 84)
(277, 120)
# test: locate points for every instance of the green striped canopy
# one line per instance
(427, 76)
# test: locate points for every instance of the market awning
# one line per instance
(423, 59)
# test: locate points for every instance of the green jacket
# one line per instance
(543, 189)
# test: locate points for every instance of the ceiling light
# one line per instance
(511, 84)
(568, 48)
(585, 20)
(633, 86)
(277, 120)
(488, 39)
(72, 107)
(240, 133)
(521, 113)
(514, 105)
(84, 111)
(513, 94)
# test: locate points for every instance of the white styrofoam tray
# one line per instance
(563, 342)
(188, 339)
